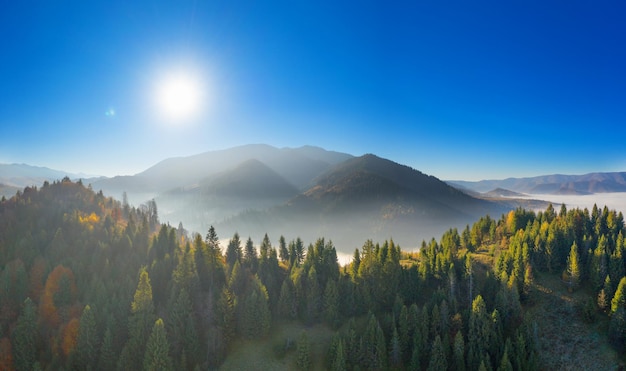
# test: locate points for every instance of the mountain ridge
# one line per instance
(596, 182)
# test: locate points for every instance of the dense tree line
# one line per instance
(87, 282)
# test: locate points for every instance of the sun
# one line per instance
(179, 96)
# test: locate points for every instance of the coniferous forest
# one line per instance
(91, 283)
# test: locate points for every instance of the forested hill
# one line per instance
(87, 282)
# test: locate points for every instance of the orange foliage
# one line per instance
(6, 355)
(90, 219)
(47, 309)
(70, 335)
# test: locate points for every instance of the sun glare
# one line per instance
(179, 97)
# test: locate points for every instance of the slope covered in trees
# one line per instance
(87, 282)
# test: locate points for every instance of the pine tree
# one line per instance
(250, 257)
(106, 359)
(373, 347)
(479, 333)
(157, 356)
(339, 362)
(459, 352)
(86, 344)
(438, 360)
(225, 315)
(313, 297)
(304, 356)
(287, 304)
(395, 350)
(283, 252)
(139, 324)
(619, 300)
(573, 268)
(233, 251)
(24, 339)
(331, 304)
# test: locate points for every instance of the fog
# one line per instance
(616, 200)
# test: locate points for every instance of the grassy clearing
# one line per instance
(266, 354)
(566, 341)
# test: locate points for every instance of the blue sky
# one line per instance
(459, 90)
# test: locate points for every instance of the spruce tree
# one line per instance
(438, 360)
(331, 304)
(86, 344)
(157, 356)
(24, 339)
(459, 352)
(573, 268)
(304, 354)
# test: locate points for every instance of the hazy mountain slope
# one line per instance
(297, 165)
(251, 185)
(14, 177)
(369, 197)
(557, 183)
(22, 175)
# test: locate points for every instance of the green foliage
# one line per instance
(304, 353)
(157, 356)
(24, 339)
(438, 360)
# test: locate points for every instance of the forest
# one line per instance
(91, 283)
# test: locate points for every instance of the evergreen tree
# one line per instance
(395, 350)
(438, 360)
(459, 352)
(304, 354)
(87, 342)
(283, 252)
(339, 362)
(373, 346)
(225, 315)
(573, 268)
(24, 339)
(250, 259)
(139, 324)
(233, 250)
(287, 304)
(331, 304)
(505, 363)
(313, 297)
(619, 300)
(479, 333)
(157, 356)
(106, 359)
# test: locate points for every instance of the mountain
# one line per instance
(297, 165)
(501, 192)
(251, 185)
(553, 184)
(368, 197)
(14, 177)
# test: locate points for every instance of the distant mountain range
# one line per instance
(311, 192)
(552, 184)
(307, 192)
(15, 177)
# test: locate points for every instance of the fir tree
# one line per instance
(573, 268)
(304, 356)
(438, 360)
(157, 356)
(24, 339)
(86, 344)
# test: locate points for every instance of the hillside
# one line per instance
(373, 197)
(14, 177)
(298, 165)
(88, 282)
(553, 184)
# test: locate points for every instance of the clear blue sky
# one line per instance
(459, 90)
